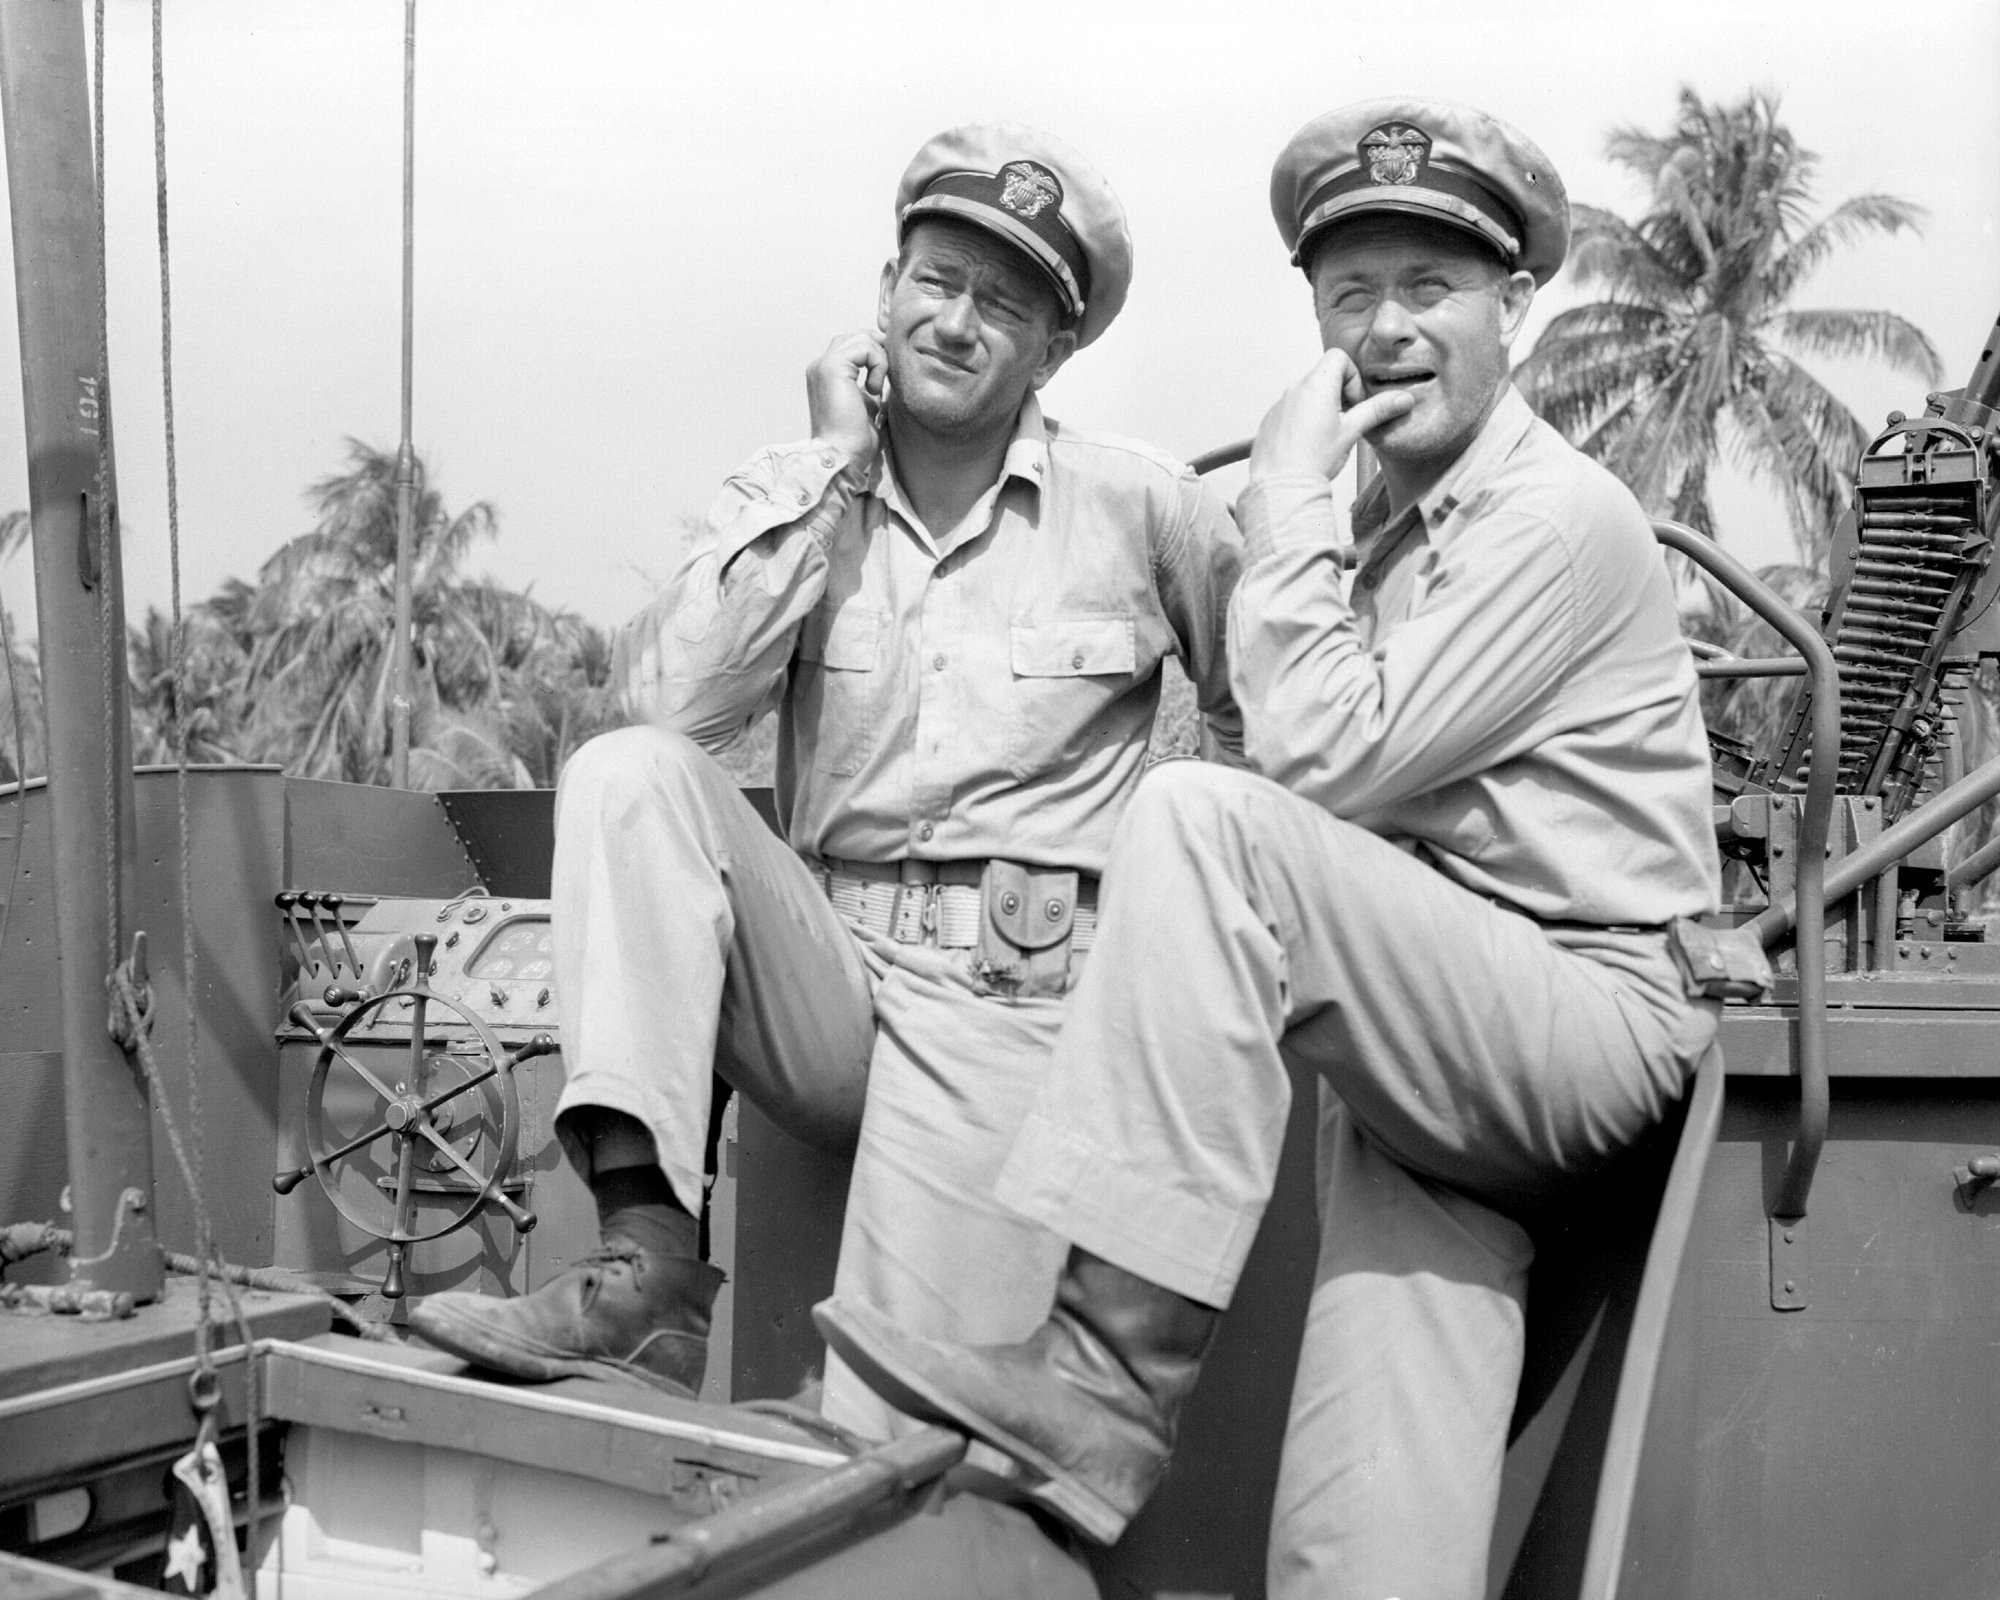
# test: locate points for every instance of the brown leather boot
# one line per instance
(625, 1310)
(1088, 1403)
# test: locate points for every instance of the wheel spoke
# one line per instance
(367, 1077)
(437, 1100)
(353, 1145)
(457, 1160)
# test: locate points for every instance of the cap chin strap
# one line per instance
(1411, 201)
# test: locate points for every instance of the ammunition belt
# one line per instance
(935, 903)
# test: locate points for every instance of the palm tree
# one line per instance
(23, 730)
(294, 669)
(492, 665)
(1692, 352)
(218, 651)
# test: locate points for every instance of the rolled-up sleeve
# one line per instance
(710, 654)
(1197, 564)
(1461, 685)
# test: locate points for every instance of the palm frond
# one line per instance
(1845, 225)
(1860, 335)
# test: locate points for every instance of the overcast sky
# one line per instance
(637, 222)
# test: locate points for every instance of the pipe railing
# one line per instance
(1815, 823)
(1975, 868)
(1917, 828)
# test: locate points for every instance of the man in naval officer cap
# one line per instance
(959, 608)
(1483, 804)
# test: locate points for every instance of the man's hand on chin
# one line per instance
(1315, 424)
(843, 389)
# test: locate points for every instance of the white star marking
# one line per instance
(185, 1558)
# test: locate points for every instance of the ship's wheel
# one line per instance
(447, 1125)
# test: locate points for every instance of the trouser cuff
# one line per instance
(616, 1094)
(1191, 1244)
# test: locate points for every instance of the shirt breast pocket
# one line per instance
(839, 686)
(1067, 669)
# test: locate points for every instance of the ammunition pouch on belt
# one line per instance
(1719, 963)
(1024, 937)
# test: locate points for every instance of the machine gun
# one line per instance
(1909, 616)
(1910, 613)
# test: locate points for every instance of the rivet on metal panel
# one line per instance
(1976, 1176)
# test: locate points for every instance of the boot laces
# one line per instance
(609, 1253)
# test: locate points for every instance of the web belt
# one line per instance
(936, 903)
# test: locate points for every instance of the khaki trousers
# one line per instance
(1470, 1063)
(691, 940)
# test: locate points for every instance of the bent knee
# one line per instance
(641, 753)
(636, 766)
(1177, 796)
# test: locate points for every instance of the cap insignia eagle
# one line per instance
(1028, 189)
(1395, 152)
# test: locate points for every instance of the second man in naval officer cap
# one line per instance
(1452, 884)
(960, 609)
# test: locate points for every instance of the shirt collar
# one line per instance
(1504, 428)
(1027, 459)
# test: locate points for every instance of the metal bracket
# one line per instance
(1789, 1286)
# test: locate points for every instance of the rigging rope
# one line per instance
(194, 1170)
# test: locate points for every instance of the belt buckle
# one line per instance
(924, 930)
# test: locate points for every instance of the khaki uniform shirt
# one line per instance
(1508, 690)
(987, 693)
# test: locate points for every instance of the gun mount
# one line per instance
(1910, 613)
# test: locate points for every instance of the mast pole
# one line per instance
(406, 471)
(52, 185)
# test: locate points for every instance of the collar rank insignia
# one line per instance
(1395, 153)
(1028, 188)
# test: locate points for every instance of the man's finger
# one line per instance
(1377, 409)
(855, 348)
(1352, 390)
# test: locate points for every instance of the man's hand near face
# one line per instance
(1317, 422)
(844, 393)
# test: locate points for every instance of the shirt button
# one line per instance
(926, 831)
(1369, 581)
(938, 661)
(827, 458)
(1076, 662)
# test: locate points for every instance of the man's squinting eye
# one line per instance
(1351, 301)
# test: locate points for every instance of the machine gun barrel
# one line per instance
(1978, 404)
